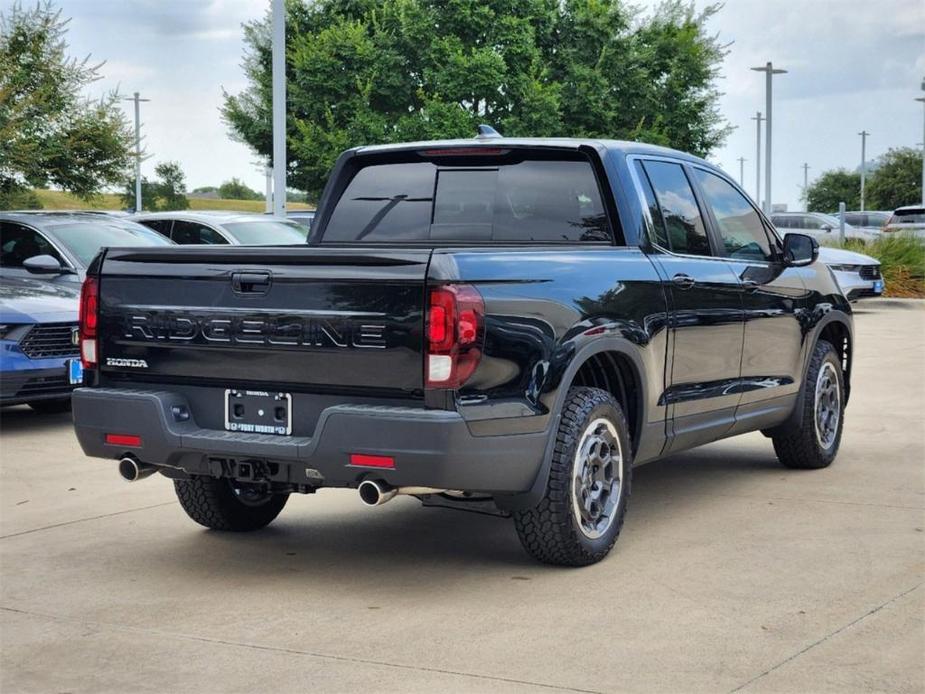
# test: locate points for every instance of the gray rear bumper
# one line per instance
(431, 448)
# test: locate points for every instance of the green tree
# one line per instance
(236, 190)
(167, 192)
(50, 134)
(897, 180)
(373, 71)
(833, 187)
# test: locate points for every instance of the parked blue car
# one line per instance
(39, 358)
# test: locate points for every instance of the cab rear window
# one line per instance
(457, 199)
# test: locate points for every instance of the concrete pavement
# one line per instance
(732, 574)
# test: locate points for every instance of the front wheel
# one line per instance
(579, 518)
(813, 442)
(220, 504)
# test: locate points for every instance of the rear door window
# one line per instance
(683, 221)
(660, 237)
(513, 200)
(162, 226)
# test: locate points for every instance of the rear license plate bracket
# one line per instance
(258, 412)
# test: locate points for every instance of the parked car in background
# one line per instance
(39, 357)
(871, 220)
(58, 246)
(225, 228)
(822, 227)
(909, 219)
(303, 217)
(858, 275)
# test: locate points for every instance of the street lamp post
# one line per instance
(742, 161)
(137, 99)
(758, 118)
(864, 135)
(279, 107)
(922, 99)
(769, 71)
(805, 168)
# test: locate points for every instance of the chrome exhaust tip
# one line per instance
(131, 470)
(375, 493)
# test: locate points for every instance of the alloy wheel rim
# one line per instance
(597, 478)
(827, 411)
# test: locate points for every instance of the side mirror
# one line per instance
(800, 250)
(827, 228)
(44, 265)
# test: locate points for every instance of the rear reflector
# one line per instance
(129, 440)
(372, 460)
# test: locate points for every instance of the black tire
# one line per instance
(216, 504)
(801, 446)
(551, 531)
(51, 406)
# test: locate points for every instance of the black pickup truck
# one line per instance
(493, 323)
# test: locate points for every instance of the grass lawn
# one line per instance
(58, 200)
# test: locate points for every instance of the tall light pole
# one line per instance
(137, 99)
(922, 99)
(742, 161)
(769, 71)
(279, 108)
(864, 134)
(805, 168)
(758, 118)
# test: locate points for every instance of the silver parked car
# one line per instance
(233, 228)
(823, 227)
(870, 220)
(858, 275)
(909, 220)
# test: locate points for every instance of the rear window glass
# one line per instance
(514, 200)
(908, 217)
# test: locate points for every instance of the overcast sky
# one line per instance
(854, 65)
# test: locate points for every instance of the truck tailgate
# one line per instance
(296, 316)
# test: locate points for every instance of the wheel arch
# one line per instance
(610, 363)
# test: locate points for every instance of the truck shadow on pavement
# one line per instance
(22, 419)
(404, 544)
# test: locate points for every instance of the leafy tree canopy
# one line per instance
(235, 189)
(833, 187)
(897, 180)
(168, 192)
(894, 180)
(374, 71)
(50, 134)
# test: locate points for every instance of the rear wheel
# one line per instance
(814, 442)
(221, 504)
(579, 518)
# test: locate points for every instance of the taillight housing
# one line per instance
(455, 331)
(89, 315)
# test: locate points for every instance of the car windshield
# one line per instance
(269, 232)
(916, 216)
(84, 239)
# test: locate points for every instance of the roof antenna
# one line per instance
(486, 132)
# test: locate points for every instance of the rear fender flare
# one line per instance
(516, 502)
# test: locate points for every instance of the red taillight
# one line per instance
(127, 440)
(455, 317)
(466, 152)
(88, 315)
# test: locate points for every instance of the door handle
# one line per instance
(250, 282)
(750, 285)
(683, 281)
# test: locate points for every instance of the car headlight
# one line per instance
(845, 268)
(6, 328)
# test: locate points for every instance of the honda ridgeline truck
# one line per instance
(513, 323)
